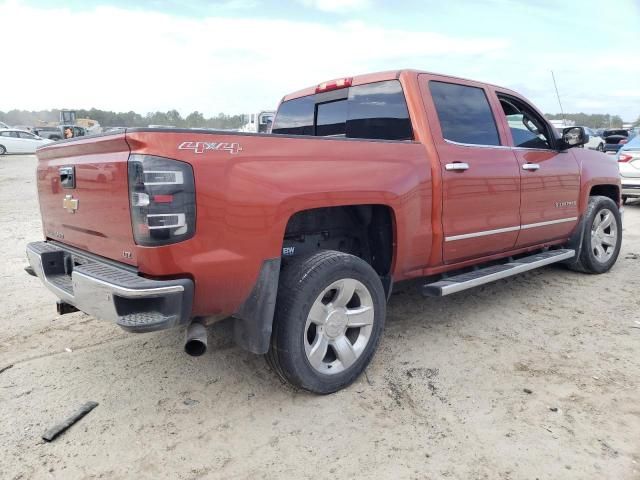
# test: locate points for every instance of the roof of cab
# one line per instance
(380, 77)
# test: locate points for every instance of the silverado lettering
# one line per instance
(364, 182)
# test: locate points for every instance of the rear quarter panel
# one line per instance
(245, 200)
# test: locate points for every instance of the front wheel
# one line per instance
(602, 236)
(3, 150)
(330, 313)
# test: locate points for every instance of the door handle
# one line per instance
(457, 166)
(531, 166)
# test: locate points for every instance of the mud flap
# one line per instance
(253, 321)
(575, 242)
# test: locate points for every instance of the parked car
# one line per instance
(596, 142)
(58, 132)
(614, 138)
(299, 235)
(20, 141)
(629, 163)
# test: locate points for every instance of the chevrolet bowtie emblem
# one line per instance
(70, 204)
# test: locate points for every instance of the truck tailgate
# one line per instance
(91, 210)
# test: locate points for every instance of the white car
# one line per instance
(19, 141)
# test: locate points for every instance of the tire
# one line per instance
(624, 200)
(308, 350)
(599, 249)
(600, 147)
(3, 150)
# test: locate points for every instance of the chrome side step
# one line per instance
(465, 281)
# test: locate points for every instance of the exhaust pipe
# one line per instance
(195, 343)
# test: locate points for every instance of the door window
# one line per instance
(527, 128)
(26, 135)
(464, 113)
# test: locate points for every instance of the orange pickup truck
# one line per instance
(300, 234)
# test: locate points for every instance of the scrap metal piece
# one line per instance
(56, 430)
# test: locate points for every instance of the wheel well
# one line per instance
(611, 191)
(365, 231)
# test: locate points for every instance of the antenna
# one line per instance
(558, 95)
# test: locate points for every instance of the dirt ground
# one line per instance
(443, 398)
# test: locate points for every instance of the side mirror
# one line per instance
(574, 137)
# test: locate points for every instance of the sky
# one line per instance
(241, 56)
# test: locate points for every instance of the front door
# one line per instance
(550, 178)
(480, 174)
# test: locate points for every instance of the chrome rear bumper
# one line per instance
(109, 291)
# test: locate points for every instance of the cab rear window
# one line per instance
(376, 111)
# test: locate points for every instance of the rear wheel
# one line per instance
(2, 150)
(329, 316)
(601, 147)
(602, 236)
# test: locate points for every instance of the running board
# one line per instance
(465, 281)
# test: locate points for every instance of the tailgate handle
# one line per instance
(67, 177)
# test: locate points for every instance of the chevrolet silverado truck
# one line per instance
(300, 235)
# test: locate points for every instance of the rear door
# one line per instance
(550, 177)
(28, 142)
(10, 141)
(480, 174)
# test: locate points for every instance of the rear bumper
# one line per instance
(109, 291)
(631, 187)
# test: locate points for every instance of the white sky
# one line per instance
(246, 54)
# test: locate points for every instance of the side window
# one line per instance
(464, 113)
(5, 134)
(25, 135)
(527, 129)
(295, 117)
(331, 119)
(378, 111)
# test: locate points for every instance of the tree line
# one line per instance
(594, 120)
(108, 118)
(196, 119)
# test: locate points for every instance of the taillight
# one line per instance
(334, 85)
(625, 158)
(162, 200)
(623, 141)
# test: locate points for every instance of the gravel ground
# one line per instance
(443, 398)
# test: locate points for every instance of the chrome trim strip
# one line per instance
(508, 229)
(550, 222)
(499, 147)
(481, 234)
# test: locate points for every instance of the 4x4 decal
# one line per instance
(201, 147)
